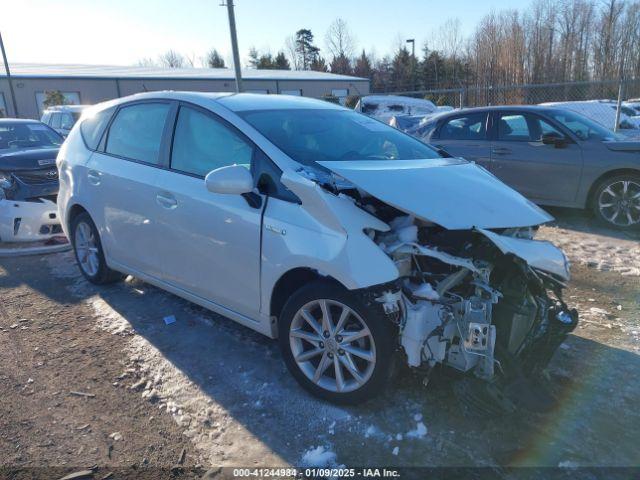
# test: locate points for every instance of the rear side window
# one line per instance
(93, 127)
(469, 127)
(202, 143)
(513, 127)
(136, 132)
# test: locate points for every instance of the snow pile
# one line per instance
(604, 253)
(384, 107)
(420, 431)
(318, 457)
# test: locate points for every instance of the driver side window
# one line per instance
(202, 143)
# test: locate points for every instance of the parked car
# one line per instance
(384, 107)
(634, 104)
(604, 113)
(348, 240)
(62, 118)
(28, 181)
(551, 155)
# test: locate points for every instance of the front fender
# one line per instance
(325, 233)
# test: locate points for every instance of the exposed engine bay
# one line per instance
(487, 302)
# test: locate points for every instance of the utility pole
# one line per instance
(234, 44)
(412, 41)
(620, 90)
(6, 67)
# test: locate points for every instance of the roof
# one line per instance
(39, 70)
(235, 102)
(532, 108)
(65, 108)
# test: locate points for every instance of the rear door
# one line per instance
(465, 136)
(544, 173)
(122, 183)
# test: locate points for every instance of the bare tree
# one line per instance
(292, 52)
(339, 39)
(173, 59)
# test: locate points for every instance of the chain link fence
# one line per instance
(600, 98)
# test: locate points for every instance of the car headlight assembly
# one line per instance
(5, 183)
(5, 180)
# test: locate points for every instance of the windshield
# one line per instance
(14, 136)
(583, 127)
(311, 135)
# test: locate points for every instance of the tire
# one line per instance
(613, 206)
(376, 339)
(96, 270)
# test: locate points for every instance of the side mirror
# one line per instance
(554, 139)
(233, 179)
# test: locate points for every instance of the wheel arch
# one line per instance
(604, 176)
(291, 281)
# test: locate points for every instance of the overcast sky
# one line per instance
(121, 32)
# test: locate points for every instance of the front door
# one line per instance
(209, 242)
(541, 172)
(465, 136)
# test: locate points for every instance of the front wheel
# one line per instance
(336, 347)
(616, 201)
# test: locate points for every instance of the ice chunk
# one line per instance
(318, 457)
(419, 432)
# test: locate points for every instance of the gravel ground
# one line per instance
(205, 392)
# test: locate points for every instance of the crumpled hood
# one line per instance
(453, 193)
(623, 146)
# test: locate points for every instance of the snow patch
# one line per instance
(318, 457)
(419, 432)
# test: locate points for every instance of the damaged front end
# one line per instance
(470, 306)
(28, 210)
(476, 292)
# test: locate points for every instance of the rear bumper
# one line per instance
(28, 221)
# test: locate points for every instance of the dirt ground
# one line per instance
(94, 378)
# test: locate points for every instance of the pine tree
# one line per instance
(307, 52)
(215, 60)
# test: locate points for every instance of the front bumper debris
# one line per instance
(32, 221)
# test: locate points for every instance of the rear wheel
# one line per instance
(336, 347)
(89, 253)
(616, 201)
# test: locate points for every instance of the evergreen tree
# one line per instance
(363, 67)
(306, 51)
(281, 62)
(214, 59)
(341, 64)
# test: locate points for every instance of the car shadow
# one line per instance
(584, 221)
(594, 421)
(204, 360)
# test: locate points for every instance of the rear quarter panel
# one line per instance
(71, 161)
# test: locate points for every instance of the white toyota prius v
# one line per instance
(357, 246)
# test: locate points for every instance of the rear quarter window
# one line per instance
(93, 127)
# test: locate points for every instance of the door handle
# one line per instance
(501, 151)
(94, 177)
(166, 200)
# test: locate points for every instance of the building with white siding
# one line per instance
(90, 84)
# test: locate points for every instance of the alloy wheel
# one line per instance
(619, 203)
(332, 345)
(86, 249)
